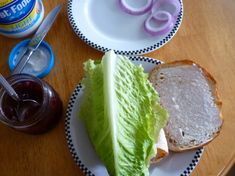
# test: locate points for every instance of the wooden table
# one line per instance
(206, 36)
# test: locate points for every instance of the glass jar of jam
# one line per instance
(39, 107)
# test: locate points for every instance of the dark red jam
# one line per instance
(39, 109)
(25, 109)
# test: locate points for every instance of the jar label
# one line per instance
(18, 15)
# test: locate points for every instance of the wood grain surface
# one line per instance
(206, 36)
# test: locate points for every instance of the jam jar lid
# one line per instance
(40, 62)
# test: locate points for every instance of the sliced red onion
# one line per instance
(158, 16)
(158, 3)
(135, 11)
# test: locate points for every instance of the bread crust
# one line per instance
(212, 83)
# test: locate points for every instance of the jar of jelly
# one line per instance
(38, 110)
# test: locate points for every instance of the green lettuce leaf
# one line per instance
(122, 114)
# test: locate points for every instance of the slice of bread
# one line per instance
(188, 92)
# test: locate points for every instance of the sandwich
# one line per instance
(132, 117)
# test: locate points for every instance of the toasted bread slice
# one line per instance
(188, 92)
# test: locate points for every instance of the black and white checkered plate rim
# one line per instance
(125, 52)
(75, 156)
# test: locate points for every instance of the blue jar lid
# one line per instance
(40, 63)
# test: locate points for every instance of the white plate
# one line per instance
(176, 164)
(104, 26)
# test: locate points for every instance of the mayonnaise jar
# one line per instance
(19, 18)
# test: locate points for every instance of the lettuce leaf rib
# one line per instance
(111, 108)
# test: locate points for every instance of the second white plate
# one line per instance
(103, 25)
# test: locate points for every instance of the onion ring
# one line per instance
(135, 11)
(159, 16)
(166, 16)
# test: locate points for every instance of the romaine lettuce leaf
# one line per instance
(122, 114)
